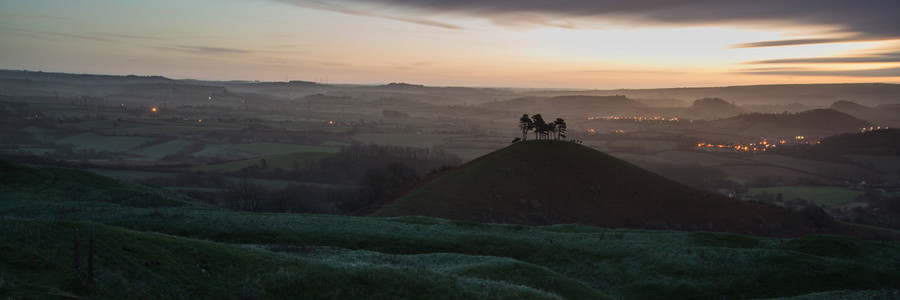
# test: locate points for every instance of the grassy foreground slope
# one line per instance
(165, 247)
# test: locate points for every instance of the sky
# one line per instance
(599, 44)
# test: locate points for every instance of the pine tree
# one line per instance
(560, 128)
(540, 127)
(526, 125)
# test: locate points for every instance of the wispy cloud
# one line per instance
(626, 71)
(95, 38)
(881, 72)
(331, 6)
(797, 42)
(866, 19)
(134, 37)
(203, 49)
(889, 57)
(31, 17)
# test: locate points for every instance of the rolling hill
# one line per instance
(567, 104)
(871, 94)
(816, 122)
(544, 182)
(163, 247)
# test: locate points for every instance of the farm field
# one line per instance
(820, 168)
(888, 164)
(703, 158)
(283, 161)
(772, 173)
(820, 195)
(403, 139)
(646, 145)
(97, 142)
(158, 151)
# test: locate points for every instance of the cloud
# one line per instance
(203, 49)
(866, 19)
(80, 36)
(887, 57)
(794, 42)
(134, 37)
(631, 72)
(329, 6)
(882, 72)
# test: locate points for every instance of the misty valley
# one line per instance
(248, 189)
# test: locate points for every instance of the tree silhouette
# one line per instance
(540, 126)
(560, 128)
(526, 125)
(542, 129)
(550, 130)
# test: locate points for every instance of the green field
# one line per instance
(701, 157)
(279, 149)
(646, 145)
(887, 164)
(820, 195)
(103, 143)
(153, 244)
(828, 169)
(283, 161)
(157, 151)
(402, 139)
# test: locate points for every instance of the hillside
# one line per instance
(870, 94)
(884, 142)
(712, 108)
(193, 251)
(818, 122)
(569, 104)
(543, 182)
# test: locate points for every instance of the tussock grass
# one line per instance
(159, 249)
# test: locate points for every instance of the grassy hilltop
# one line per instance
(154, 244)
(542, 182)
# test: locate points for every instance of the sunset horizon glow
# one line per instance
(529, 44)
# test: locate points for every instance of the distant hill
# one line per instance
(821, 95)
(542, 182)
(845, 106)
(566, 105)
(876, 142)
(881, 115)
(712, 108)
(822, 122)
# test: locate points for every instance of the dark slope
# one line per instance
(816, 122)
(542, 182)
(62, 184)
(822, 119)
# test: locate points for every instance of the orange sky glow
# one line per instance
(573, 44)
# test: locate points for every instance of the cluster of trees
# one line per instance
(542, 129)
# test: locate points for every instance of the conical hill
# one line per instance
(544, 182)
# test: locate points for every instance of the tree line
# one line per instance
(542, 129)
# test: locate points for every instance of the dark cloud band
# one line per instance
(860, 19)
